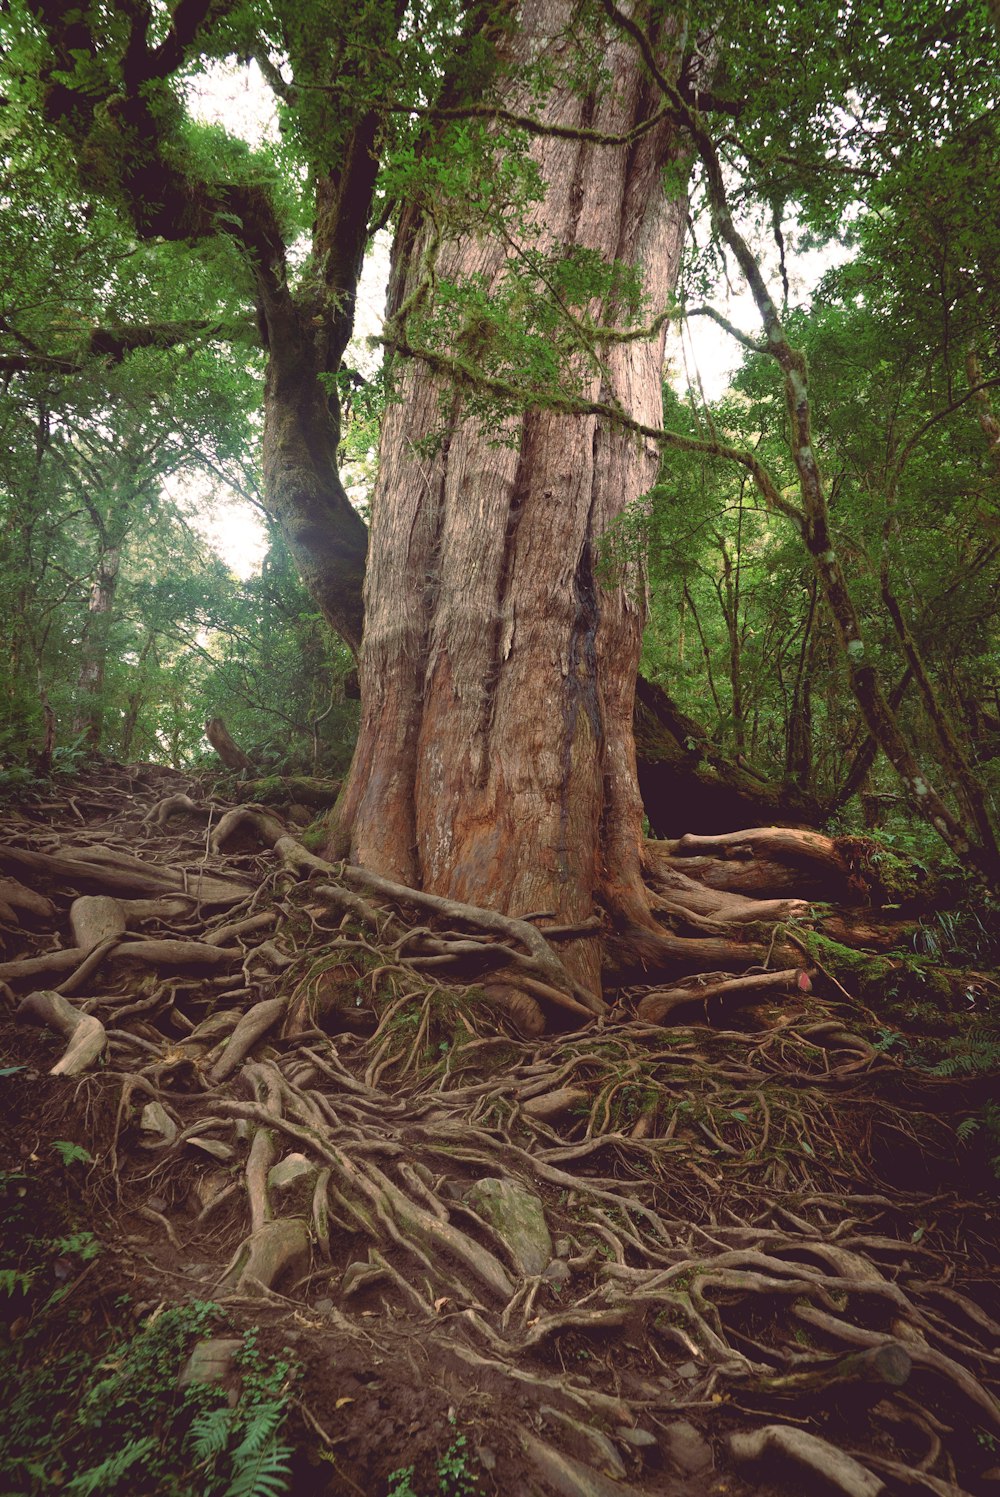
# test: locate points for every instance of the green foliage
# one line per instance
(453, 1471)
(70, 1153)
(108, 1403)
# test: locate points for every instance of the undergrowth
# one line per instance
(114, 1420)
(102, 1412)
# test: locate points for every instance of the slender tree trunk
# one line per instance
(496, 762)
(89, 718)
(303, 489)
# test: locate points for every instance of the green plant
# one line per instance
(122, 1424)
(455, 1479)
(401, 1483)
(71, 1153)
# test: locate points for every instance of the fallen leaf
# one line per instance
(342, 1401)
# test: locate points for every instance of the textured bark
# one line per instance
(496, 762)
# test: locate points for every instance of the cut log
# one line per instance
(226, 747)
(656, 1007)
(86, 1035)
(778, 844)
(879, 1369)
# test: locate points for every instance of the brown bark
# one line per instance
(225, 745)
(495, 761)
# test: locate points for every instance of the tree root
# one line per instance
(712, 1229)
(818, 1457)
(86, 1035)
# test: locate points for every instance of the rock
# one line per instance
(289, 1171)
(563, 1248)
(689, 1451)
(213, 1146)
(569, 1477)
(639, 1439)
(324, 1306)
(518, 1217)
(687, 1370)
(156, 1119)
(210, 1362)
(557, 1272)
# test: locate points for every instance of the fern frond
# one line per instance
(106, 1476)
(262, 1422)
(266, 1475)
(211, 1432)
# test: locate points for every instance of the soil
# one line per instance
(732, 1196)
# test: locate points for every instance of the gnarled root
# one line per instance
(86, 1035)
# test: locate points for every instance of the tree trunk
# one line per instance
(495, 762)
(303, 490)
(89, 718)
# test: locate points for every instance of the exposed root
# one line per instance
(86, 1035)
(338, 1091)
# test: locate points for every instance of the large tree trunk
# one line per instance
(496, 762)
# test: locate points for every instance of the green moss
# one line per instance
(859, 971)
(313, 837)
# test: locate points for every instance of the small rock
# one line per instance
(487, 1457)
(210, 1362)
(558, 1272)
(289, 1171)
(518, 1217)
(324, 1306)
(639, 1439)
(156, 1119)
(158, 1203)
(563, 1247)
(689, 1451)
(213, 1146)
(687, 1369)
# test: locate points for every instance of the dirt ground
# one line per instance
(731, 1209)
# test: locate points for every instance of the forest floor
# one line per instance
(285, 1205)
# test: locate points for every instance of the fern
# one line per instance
(979, 1053)
(262, 1422)
(265, 1475)
(211, 1432)
(15, 1281)
(106, 1476)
